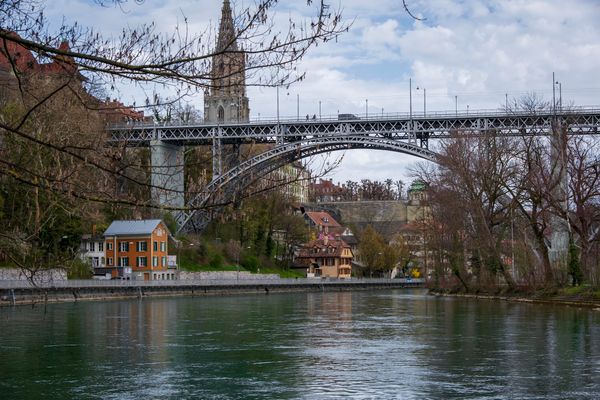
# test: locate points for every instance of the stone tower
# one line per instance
(226, 100)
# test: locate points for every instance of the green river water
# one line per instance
(396, 344)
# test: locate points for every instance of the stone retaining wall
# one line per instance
(225, 275)
(40, 277)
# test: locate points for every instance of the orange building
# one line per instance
(138, 250)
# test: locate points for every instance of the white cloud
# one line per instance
(477, 50)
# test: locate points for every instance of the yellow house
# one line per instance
(327, 258)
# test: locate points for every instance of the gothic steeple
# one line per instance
(227, 101)
(226, 39)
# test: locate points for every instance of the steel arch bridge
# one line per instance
(223, 187)
(294, 139)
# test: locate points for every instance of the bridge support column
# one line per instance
(217, 152)
(167, 174)
(559, 240)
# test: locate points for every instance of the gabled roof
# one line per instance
(322, 218)
(335, 246)
(132, 227)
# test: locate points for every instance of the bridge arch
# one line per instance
(221, 188)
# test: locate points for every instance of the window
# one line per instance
(155, 246)
(221, 114)
(110, 261)
(163, 261)
(155, 261)
(123, 261)
(142, 261)
(101, 246)
(124, 246)
(101, 261)
(141, 246)
(109, 245)
(92, 246)
(162, 246)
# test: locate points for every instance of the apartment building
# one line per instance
(138, 250)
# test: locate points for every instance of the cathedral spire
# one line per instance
(226, 101)
(227, 35)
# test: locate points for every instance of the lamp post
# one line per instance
(559, 95)
(410, 98)
(456, 105)
(553, 95)
(277, 105)
(297, 107)
(424, 100)
(367, 108)
(319, 109)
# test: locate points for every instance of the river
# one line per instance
(393, 344)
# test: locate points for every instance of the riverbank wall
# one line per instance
(571, 301)
(72, 291)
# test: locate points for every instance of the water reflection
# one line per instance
(387, 344)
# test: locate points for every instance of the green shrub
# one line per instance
(250, 263)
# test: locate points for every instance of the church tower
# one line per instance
(226, 100)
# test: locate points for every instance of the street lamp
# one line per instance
(456, 105)
(367, 108)
(559, 95)
(410, 98)
(424, 100)
(553, 94)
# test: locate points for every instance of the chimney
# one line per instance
(325, 238)
(93, 230)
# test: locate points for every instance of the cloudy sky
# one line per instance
(476, 51)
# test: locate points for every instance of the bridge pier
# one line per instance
(167, 177)
(217, 157)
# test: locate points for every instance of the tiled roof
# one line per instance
(332, 249)
(322, 218)
(13, 53)
(133, 227)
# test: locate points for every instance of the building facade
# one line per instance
(326, 258)
(91, 251)
(325, 191)
(138, 250)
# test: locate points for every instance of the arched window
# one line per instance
(221, 114)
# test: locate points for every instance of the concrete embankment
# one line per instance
(571, 301)
(12, 293)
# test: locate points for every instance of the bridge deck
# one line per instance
(585, 120)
